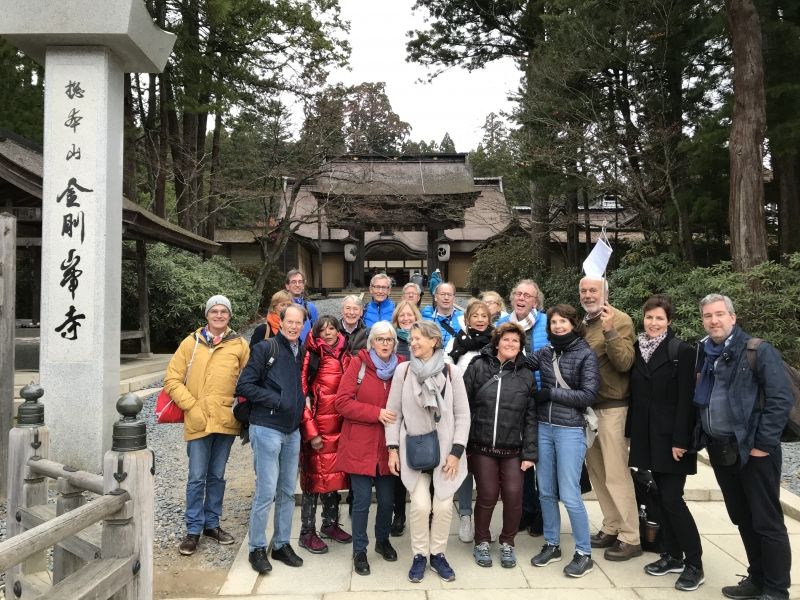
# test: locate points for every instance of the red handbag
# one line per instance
(167, 411)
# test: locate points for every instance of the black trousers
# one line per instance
(399, 507)
(751, 493)
(308, 510)
(681, 538)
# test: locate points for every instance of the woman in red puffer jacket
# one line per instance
(325, 360)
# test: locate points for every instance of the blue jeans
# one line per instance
(275, 459)
(561, 453)
(362, 498)
(205, 486)
(464, 497)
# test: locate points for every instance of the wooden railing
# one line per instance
(102, 547)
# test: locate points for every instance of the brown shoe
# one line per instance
(601, 539)
(189, 544)
(219, 534)
(622, 551)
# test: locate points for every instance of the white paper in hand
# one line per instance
(595, 264)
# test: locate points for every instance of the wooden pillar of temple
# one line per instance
(433, 250)
(358, 263)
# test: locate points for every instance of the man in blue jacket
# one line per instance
(742, 414)
(444, 313)
(527, 311)
(275, 394)
(296, 286)
(381, 307)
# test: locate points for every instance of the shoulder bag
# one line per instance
(589, 416)
(166, 409)
(422, 451)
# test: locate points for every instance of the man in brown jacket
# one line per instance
(609, 332)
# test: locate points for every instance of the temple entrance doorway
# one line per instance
(399, 270)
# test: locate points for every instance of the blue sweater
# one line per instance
(429, 314)
(378, 311)
(311, 317)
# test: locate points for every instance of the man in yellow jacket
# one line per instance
(201, 378)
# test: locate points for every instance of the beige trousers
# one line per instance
(607, 463)
(425, 540)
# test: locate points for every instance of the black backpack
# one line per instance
(241, 407)
(791, 431)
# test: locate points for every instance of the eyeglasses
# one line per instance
(445, 295)
(296, 282)
(383, 288)
(524, 295)
(383, 340)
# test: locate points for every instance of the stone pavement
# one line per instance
(330, 576)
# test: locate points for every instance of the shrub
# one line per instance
(180, 284)
(561, 287)
(502, 263)
(765, 297)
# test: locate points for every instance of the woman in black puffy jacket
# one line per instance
(570, 380)
(502, 436)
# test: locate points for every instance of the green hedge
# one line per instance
(766, 298)
(180, 284)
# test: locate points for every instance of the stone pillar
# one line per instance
(85, 47)
(82, 253)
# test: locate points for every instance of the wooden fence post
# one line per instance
(29, 439)
(8, 287)
(69, 498)
(130, 466)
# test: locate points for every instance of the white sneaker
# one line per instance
(466, 530)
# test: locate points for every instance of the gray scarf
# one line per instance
(426, 372)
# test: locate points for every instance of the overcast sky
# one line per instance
(456, 102)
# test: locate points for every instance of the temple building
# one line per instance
(396, 214)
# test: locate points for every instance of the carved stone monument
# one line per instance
(85, 47)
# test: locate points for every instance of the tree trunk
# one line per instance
(160, 202)
(746, 204)
(572, 227)
(187, 205)
(175, 150)
(213, 183)
(788, 202)
(129, 147)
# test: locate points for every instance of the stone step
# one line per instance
(133, 366)
(23, 378)
(133, 384)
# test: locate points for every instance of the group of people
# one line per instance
(517, 404)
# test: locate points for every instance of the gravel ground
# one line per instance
(171, 470)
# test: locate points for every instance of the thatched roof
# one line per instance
(409, 175)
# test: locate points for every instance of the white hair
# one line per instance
(381, 328)
(352, 299)
(380, 276)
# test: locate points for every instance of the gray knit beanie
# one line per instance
(218, 299)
